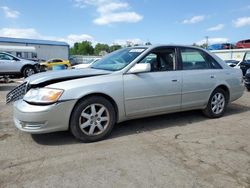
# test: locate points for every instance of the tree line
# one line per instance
(86, 48)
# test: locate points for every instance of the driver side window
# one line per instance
(5, 57)
(161, 60)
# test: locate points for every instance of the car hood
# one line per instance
(81, 66)
(26, 61)
(50, 77)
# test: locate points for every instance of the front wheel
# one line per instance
(217, 104)
(28, 71)
(92, 119)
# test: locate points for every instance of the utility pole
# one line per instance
(207, 42)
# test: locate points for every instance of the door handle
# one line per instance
(174, 80)
(212, 76)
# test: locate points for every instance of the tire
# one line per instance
(248, 88)
(28, 71)
(217, 104)
(92, 119)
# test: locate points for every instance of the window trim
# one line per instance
(162, 48)
(202, 53)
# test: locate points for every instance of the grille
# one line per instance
(17, 93)
(247, 79)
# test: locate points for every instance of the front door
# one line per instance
(157, 91)
(9, 64)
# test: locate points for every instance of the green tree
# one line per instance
(101, 47)
(82, 48)
(114, 47)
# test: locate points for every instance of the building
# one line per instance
(32, 48)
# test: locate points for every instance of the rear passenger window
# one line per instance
(193, 59)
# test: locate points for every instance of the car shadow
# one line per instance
(6, 88)
(139, 125)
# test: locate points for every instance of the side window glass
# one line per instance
(1, 56)
(192, 59)
(160, 60)
(5, 57)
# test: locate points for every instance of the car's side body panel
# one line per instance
(110, 85)
(197, 86)
(152, 92)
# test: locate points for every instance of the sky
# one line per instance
(123, 21)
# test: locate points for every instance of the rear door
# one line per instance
(199, 77)
(156, 91)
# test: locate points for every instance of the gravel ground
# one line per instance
(176, 150)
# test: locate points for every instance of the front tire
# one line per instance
(92, 119)
(217, 104)
(28, 71)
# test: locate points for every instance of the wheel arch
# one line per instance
(109, 98)
(26, 65)
(226, 89)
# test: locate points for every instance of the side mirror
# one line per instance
(140, 68)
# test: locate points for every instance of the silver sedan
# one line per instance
(126, 84)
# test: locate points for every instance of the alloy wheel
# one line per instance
(94, 119)
(218, 103)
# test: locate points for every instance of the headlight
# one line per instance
(43, 95)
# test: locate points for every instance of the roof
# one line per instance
(18, 48)
(33, 41)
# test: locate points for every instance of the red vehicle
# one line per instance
(243, 44)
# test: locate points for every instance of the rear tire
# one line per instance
(28, 71)
(217, 104)
(92, 119)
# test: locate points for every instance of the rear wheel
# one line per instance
(28, 71)
(217, 104)
(92, 119)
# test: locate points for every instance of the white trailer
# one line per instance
(232, 54)
(26, 52)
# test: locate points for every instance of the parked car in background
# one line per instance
(52, 62)
(73, 61)
(122, 86)
(243, 44)
(14, 66)
(245, 63)
(222, 46)
(85, 65)
(247, 79)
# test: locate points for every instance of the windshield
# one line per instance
(119, 59)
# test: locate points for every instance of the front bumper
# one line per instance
(38, 119)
